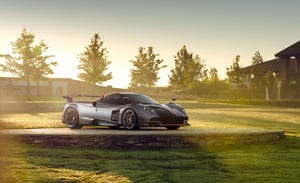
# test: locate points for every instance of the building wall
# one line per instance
(10, 87)
(18, 87)
(59, 88)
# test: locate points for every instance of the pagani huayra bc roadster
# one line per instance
(131, 110)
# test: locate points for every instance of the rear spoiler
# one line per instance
(69, 98)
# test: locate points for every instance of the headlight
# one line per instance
(181, 109)
(178, 107)
(148, 109)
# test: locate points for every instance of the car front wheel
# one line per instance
(129, 119)
(72, 118)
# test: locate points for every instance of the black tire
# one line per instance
(172, 127)
(129, 120)
(72, 118)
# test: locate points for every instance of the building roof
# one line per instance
(271, 65)
(291, 51)
(44, 79)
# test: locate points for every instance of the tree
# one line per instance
(94, 62)
(234, 72)
(212, 88)
(188, 72)
(178, 77)
(268, 82)
(213, 73)
(196, 73)
(214, 78)
(28, 61)
(41, 68)
(257, 73)
(146, 67)
(257, 59)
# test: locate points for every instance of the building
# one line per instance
(286, 69)
(53, 87)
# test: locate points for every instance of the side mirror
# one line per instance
(94, 103)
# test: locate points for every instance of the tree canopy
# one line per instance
(234, 72)
(145, 68)
(94, 63)
(213, 74)
(28, 61)
(188, 71)
(257, 76)
(257, 70)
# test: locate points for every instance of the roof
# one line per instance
(291, 51)
(123, 93)
(271, 65)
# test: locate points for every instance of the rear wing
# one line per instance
(70, 98)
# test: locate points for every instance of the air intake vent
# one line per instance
(168, 118)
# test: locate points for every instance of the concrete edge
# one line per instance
(146, 141)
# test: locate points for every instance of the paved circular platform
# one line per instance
(144, 138)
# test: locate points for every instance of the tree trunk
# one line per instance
(38, 90)
(28, 89)
(94, 84)
(267, 94)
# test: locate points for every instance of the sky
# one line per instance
(216, 30)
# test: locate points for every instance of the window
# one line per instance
(113, 99)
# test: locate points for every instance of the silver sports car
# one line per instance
(131, 110)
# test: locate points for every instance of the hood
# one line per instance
(170, 108)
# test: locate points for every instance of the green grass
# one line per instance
(239, 116)
(278, 162)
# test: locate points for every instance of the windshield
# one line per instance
(138, 98)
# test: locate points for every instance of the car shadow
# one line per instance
(124, 129)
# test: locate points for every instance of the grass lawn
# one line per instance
(207, 115)
(277, 162)
(32, 120)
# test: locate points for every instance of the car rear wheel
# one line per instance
(72, 118)
(172, 127)
(129, 119)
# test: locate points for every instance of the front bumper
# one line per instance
(152, 123)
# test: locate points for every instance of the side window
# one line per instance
(126, 100)
(113, 99)
(106, 99)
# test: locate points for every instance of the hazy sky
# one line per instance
(216, 30)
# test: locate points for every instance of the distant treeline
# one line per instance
(189, 75)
